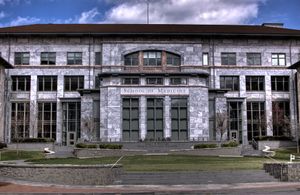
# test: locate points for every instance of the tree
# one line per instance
(221, 123)
(281, 122)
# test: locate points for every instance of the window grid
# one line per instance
(205, 59)
(131, 59)
(152, 58)
(47, 120)
(281, 118)
(20, 83)
(131, 81)
(255, 83)
(173, 59)
(130, 119)
(48, 58)
(47, 83)
(73, 83)
(253, 59)
(98, 58)
(278, 59)
(280, 83)
(154, 81)
(229, 82)
(178, 81)
(256, 119)
(22, 58)
(228, 58)
(19, 120)
(74, 58)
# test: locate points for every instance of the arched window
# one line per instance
(152, 58)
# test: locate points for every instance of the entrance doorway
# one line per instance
(130, 120)
(155, 118)
(179, 119)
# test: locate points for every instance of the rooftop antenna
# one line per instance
(147, 11)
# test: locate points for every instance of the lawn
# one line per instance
(13, 155)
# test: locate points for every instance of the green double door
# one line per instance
(179, 118)
(155, 119)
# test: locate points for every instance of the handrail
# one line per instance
(254, 144)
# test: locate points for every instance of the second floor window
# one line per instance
(178, 81)
(280, 83)
(74, 58)
(253, 59)
(131, 59)
(73, 83)
(48, 58)
(22, 58)
(154, 81)
(173, 59)
(131, 81)
(229, 82)
(152, 58)
(228, 58)
(20, 83)
(278, 59)
(255, 83)
(47, 83)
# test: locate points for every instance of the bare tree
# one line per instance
(221, 123)
(281, 122)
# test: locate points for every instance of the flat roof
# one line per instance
(158, 29)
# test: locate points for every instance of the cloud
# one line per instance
(88, 16)
(2, 15)
(14, 2)
(24, 20)
(184, 11)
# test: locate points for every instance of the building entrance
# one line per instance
(155, 119)
(179, 119)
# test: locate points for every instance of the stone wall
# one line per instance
(275, 144)
(2, 102)
(63, 174)
(284, 171)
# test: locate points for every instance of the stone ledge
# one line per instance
(284, 171)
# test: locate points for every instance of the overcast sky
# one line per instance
(21, 12)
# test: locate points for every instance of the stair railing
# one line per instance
(254, 144)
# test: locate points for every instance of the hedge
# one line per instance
(110, 146)
(230, 144)
(83, 145)
(32, 140)
(2, 145)
(199, 146)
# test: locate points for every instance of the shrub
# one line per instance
(199, 146)
(110, 146)
(273, 138)
(230, 144)
(2, 145)
(32, 140)
(83, 145)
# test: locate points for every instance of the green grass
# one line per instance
(12, 155)
(167, 163)
(284, 153)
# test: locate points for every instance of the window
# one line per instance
(152, 58)
(48, 58)
(73, 83)
(130, 120)
(155, 118)
(178, 81)
(74, 58)
(19, 120)
(20, 83)
(229, 82)
(154, 81)
(22, 58)
(278, 59)
(235, 118)
(179, 123)
(131, 81)
(253, 59)
(131, 59)
(47, 120)
(255, 83)
(228, 58)
(205, 60)
(173, 59)
(256, 119)
(281, 118)
(98, 58)
(47, 83)
(280, 83)
(71, 122)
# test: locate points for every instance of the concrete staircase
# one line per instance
(248, 150)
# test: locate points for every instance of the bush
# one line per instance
(32, 140)
(199, 146)
(230, 144)
(83, 145)
(3, 145)
(273, 138)
(110, 146)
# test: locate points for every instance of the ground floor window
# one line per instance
(179, 119)
(155, 118)
(71, 122)
(20, 120)
(47, 120)
(256, 119)
(235, 120)
(281, 118)
(130, 119)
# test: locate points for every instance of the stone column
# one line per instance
(2, 103)
(103, 114)
(114, 114)
(143, 115)
(268, 111)
(87, 120)
(33, 121)
(59, 110)
(167, 117)
(244, 123)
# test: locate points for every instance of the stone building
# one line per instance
(131, 82)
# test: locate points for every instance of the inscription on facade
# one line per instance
(154, 91)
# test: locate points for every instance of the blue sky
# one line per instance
(22, 12)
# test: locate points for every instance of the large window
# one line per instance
(20, 83)
(155, 119)
(235, 120)
(229, 82)
(47, 83)
(253, 59)
(152, 58)
(281, 118)
(131, 81)
(73, 83)
(130, 119)
(74, 58)
(48, 58)
(154, 81)
(47, 120)
(280, 83)
(278, 59)
(71, 122)
(19, 120)
(98, 58)
(228, 58)
(255, 83)
(179, 118)
(173, 59)
(131, 59)
(256, 119)
(22, 58)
